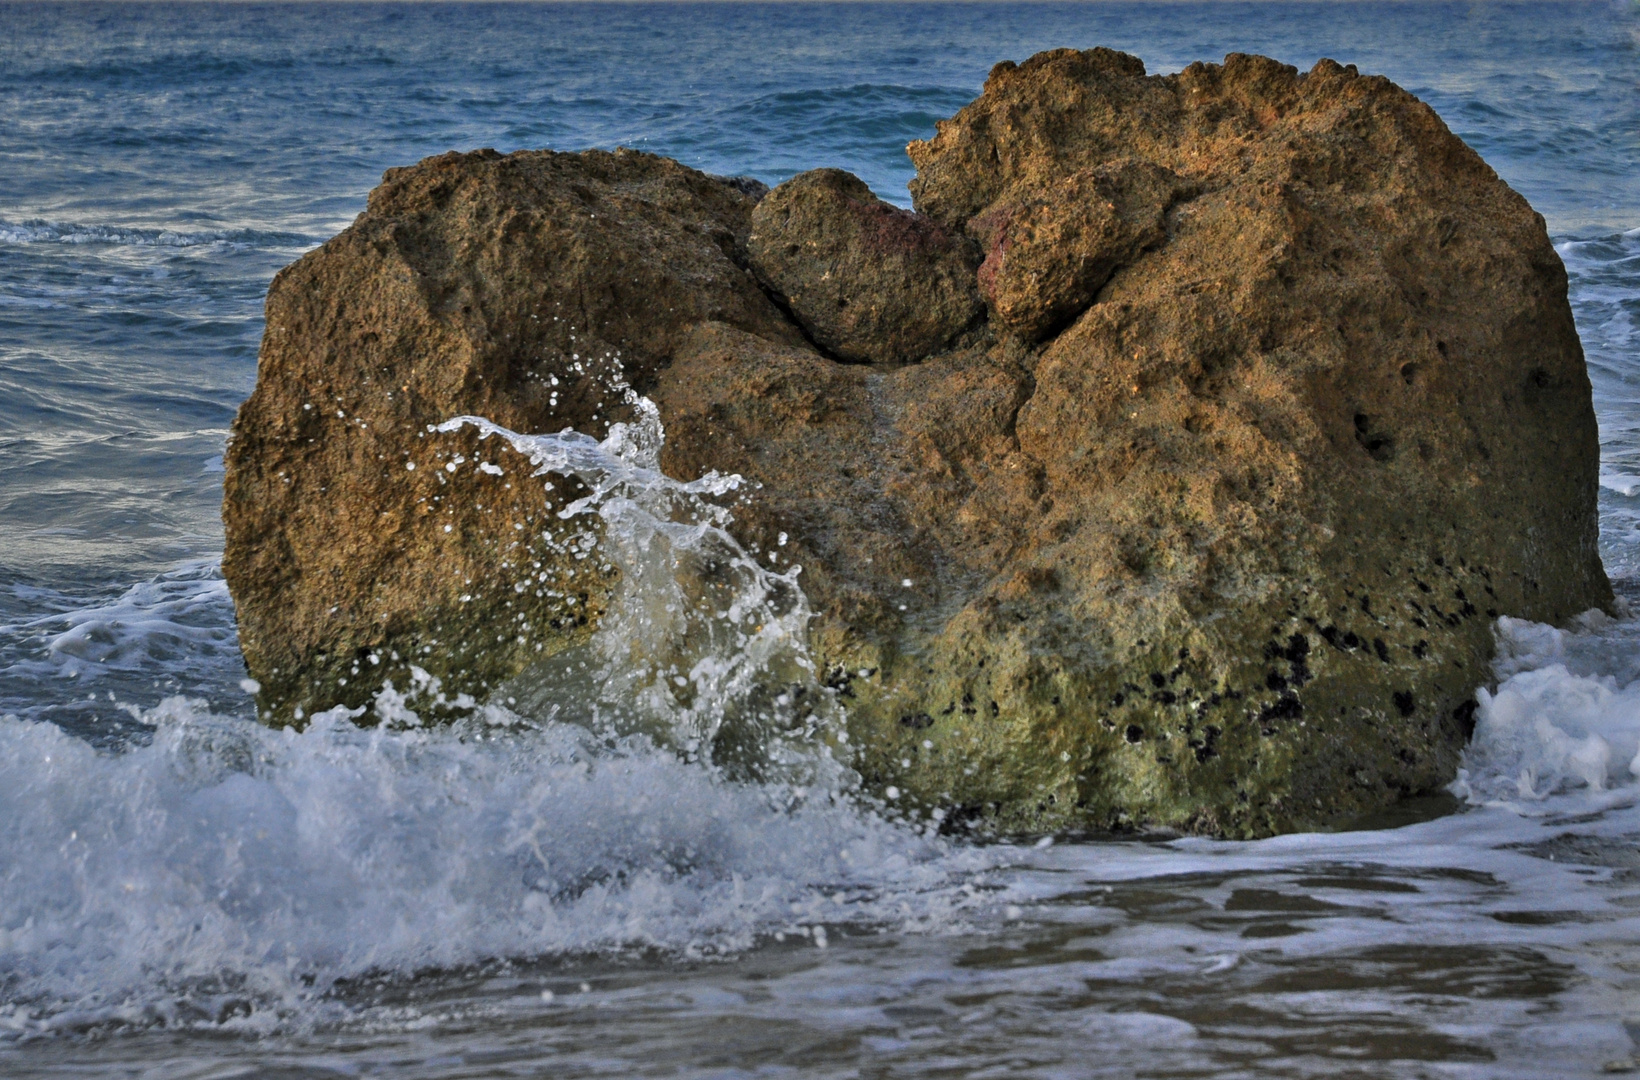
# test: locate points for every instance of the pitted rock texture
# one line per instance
(1279, 404)
(870, 282)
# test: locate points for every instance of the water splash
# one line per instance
(704, 649)
(670, 786)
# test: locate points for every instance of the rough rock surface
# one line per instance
(1280, 403)
(870, 282)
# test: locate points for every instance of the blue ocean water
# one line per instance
(182, 893)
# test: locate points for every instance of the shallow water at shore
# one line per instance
(1483, 944)
(183, 893)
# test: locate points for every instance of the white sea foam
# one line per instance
(170, 622)
(676, 784)
(229, 870)
(1565, 714)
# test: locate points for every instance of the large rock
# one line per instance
(1279, 405)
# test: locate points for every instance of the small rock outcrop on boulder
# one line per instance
(869, 282)
(1211, 417)
(1051, 248)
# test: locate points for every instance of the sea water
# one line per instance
(528, 893)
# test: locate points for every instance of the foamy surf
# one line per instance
(638, 793)
(1563, 717)
(228, 872)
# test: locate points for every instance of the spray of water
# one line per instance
(704, 649)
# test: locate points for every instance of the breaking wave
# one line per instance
(54, 232)
(231, 873)
(678, 784)
(1564, 716)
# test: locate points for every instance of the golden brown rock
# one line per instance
(1220, 552)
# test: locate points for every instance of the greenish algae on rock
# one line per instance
(1279, 404)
